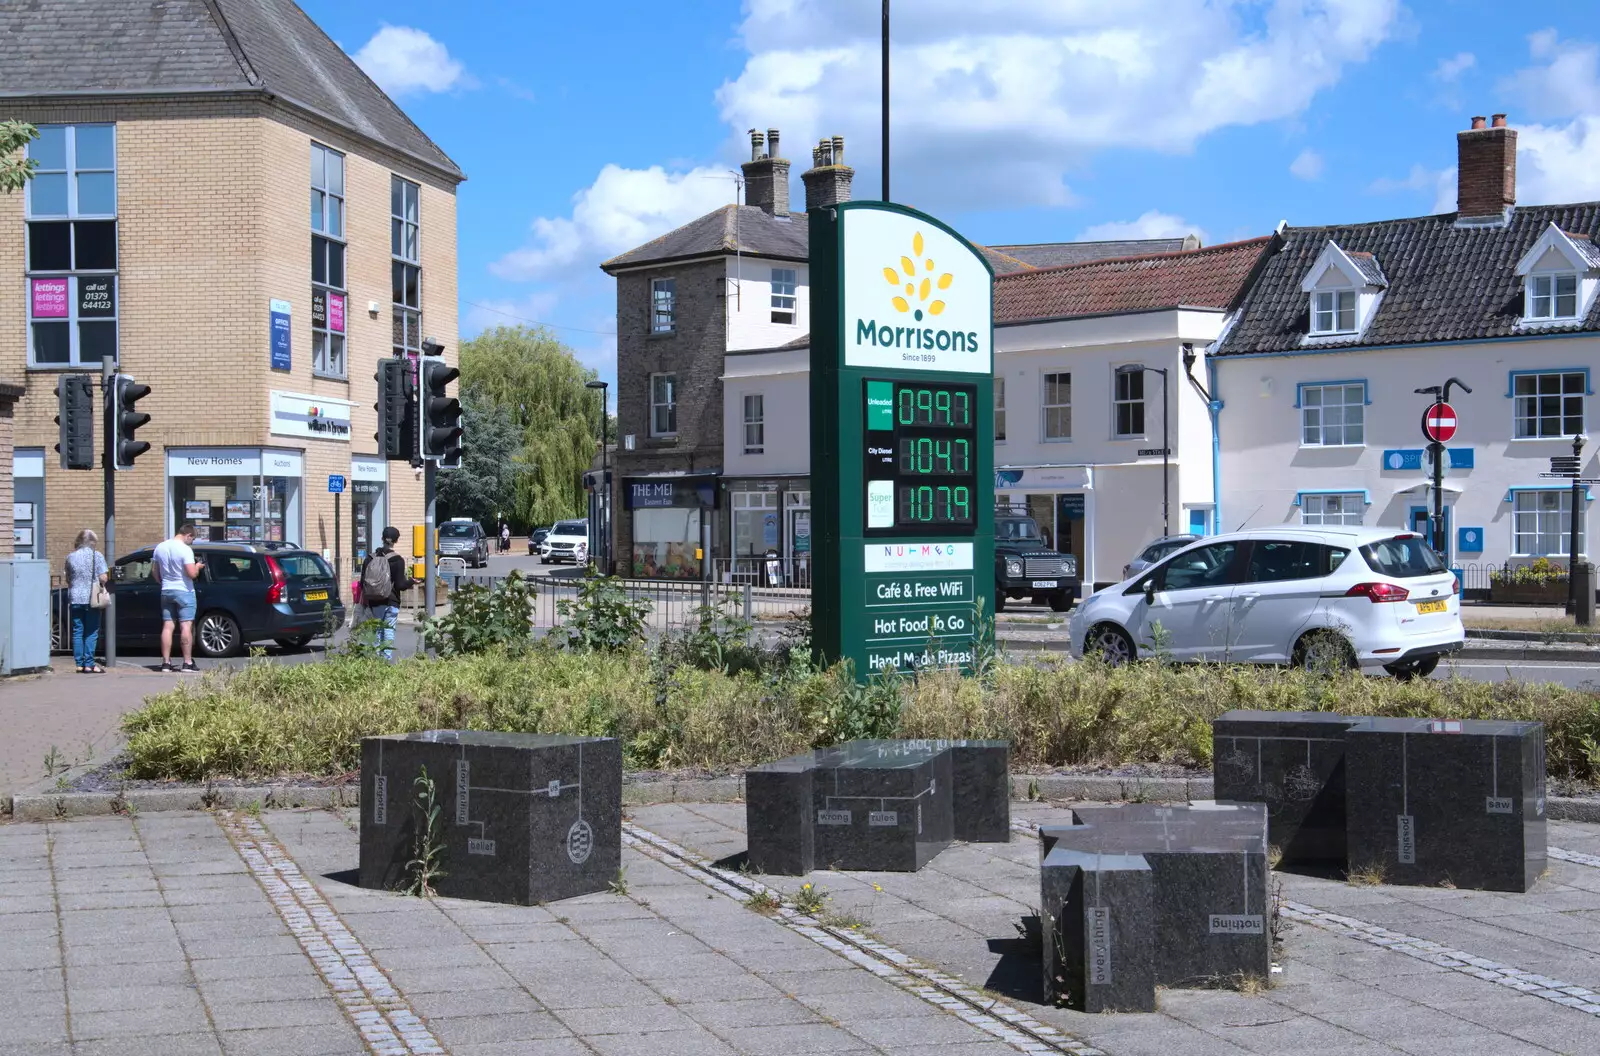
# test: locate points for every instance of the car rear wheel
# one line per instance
(216, 634)
(1324, 653)
(1111, 644)
(999, 601)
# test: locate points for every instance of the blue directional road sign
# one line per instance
(336, 482)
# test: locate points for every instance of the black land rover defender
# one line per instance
(1024, 567)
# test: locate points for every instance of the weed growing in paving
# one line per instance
(764, 902)
(619, 883)
(810, 899)
(424, 867)
(1370, 874)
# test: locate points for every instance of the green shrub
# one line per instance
(484, 618)
(603, 618)
(267, 720)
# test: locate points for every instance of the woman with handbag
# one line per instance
(87, 593)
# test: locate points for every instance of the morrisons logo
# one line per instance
(916, 337)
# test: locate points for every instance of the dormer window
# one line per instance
(1552, 296)
(1333, 312)
(1344, 290)
(1560, 275)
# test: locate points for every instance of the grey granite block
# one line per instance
(1294, 762)
(1436, 800)
(1211, 903)
(1096, 913)
(878, 805)
(523, 818)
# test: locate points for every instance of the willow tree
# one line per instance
(15, 170)
(538, 383)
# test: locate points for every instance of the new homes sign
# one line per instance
(902, 427)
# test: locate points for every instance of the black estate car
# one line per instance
(245, 593)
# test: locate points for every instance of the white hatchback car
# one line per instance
(1318, 597)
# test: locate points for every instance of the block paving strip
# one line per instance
(387, 1023)
(1575, 857)
(1562, 993)
(1021, 1031)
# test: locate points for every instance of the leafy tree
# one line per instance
(15, 170)
(538, 384)
(491, 461)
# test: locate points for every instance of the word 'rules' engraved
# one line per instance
(463, 778)
(380, 800)
(1406, 844)
(883, 818)
(1497, 805)
(833, 817)
(1236, 924)
(1099, 945)
(553, 789)
(476, 846)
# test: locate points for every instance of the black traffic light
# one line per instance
(126, 420)
(397, 411)
(75, 415)
(441, 413)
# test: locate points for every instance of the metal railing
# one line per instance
(673, 604)
(763, 571)
(1513, 582)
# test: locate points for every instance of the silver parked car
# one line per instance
(1167, 544)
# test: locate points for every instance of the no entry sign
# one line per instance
(1439, 422)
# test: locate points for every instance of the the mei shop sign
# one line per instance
(660, 494)
(319, 417)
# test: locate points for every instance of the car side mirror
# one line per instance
(1149, 586)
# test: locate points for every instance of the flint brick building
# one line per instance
(167, 226)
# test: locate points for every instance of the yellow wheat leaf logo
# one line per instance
(912, 294)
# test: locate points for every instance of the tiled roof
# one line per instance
(1446, 283)
(1056, 254)
(1586, 246)
(1370, 270)
(188, 46)
(742, 228)
(1002, 263)
(1197, 278)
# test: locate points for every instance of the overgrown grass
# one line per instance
(268, 720)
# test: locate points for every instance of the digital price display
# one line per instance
(921, 460)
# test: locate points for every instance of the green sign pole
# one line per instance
(902, 439)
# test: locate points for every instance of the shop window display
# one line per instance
(664, 542)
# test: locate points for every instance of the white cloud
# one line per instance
(997, 101)
(1449, 70)
(1441, 183)
(622, 209)
(1567, 81)
(1307, 165)
(1151, 224)
(1556, 160)
(403, 60)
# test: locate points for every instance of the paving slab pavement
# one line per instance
(1365, 970)
(244, 934)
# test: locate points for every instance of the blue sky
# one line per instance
(587, 129)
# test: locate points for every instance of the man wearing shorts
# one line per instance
(174, 567)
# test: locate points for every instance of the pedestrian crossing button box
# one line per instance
(522, 818)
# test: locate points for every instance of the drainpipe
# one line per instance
(1214, 409)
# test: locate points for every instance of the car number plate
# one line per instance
(1038, 583)
(1430, 606)
(316, 595)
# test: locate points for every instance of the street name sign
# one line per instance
(902, 427)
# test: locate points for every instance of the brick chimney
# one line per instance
(828, 180)
(766, 175)
(1486, 180)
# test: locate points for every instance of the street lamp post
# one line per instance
(1166, 446)
(605, 480)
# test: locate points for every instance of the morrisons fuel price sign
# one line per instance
(902, 430)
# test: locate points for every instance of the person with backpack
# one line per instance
(383, 577)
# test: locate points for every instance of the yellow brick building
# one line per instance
(168, 225)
